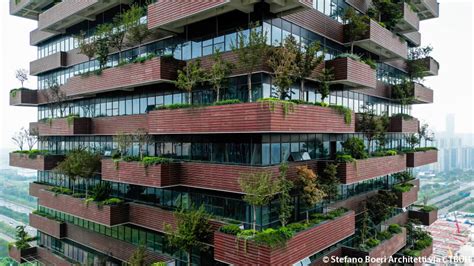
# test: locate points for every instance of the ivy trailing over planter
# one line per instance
(70, 119)
(288, 106)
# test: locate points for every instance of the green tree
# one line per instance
(356, 27)
(388, 12)
(415, 66)
(191, 76)
(124, 142)
(22, 238)
(138, 257)
(308, 58)
(380, 206)
(403, 92)
(137, 31)
(364, 229)
(217, 75)
(372, 125)
(142, 138)
(412, 140)
(325, 77)
(251, 49)
(192, 230)
(87, 47)
(82, 164)
(355, 147)
(329, 181)
(259, 189)
(283, 63)
(103, 43)
(285, 187)
(425, 133)
(311, 194)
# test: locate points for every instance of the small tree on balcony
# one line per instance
(124, 142)
(31, 137)
(217, 75)
(403, 92)
(308, 58)
(87, 47)
(138, 257)
(311, 194)
(425, 133)
(356, 27)
(325, 77)
(412, 140)
(104, 31)
(355, 147)
(22, 238)
(251, 49)
(21, 75)
(387, 12)
(329, 181)
(138, 31)
(286, 185)
(191, 76)
(192, 231)
(381, 205)
(372, 125)
(283, 63)
(142, 137)
(415, 66)
(19, 138)
(56, 98)
(259, 189)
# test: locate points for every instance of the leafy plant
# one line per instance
(308, 58)
(403, 176)
(356, 27)
(387, 12)
(372, 125)
(380, 206)
(138, 257)
(285, 187)
(355, 148)
(412, 140)
(188, 78)
(112, 201)
(344, 158)
(217, 75)
(231, 229)
(329, 181)
(402, 187)
(287, 106)
(137, 32)
(283, 63)
(311, 194)
(324, 78)
(394, 229)
(101, 191)
(149, 161)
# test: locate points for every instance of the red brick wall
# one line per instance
(34, 189)
(382, 90)
(385, 38)
(63, 10)
(116, 124)
(398, 124)
(24, 97)
(426, 218)
(301, 245)
(51, 227)
(407, 198)
(61, 127)
(40, 162)
(17, 254)
(48, 63)
(423, 94)
(358, 73)
(136, 173)
(48, 258)
(415, 159)
(317, 22)
(106, 214)
(248, 117)
(354, 203)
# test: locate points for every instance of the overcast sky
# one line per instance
(450, 35)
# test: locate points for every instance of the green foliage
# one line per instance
(412, 253)
(102, 50)
(287, 106)
(189, 77)
(347, 112)
(403, 116)
(308, 58)
(415, 65)
(138, 257)
(311, 193)
(384, 235)
(405, 187)
(61, 190)
(13, 92)
(22, 238)
(329, 181)
(230, 229)
(101, 191)
(372, 242)
(70, 119)
(412, 140)
(219, 72)
(373, 126)
(283, 63)
(344, 158)
(356, 28)
(428, 208)
(87, 47)
(226, 102)
(370, 62)
(32, 154)
(159, 264)
(403, 176)
(325, 77)
(387, 12)
(382, 153)
(285, 186)
(404, 92)
(355, 148)
(273, 238)
(143, 59)
(381, 205)
(394, 229)
(149, 161)
(175, 106)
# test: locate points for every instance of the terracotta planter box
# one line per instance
(35, 188)
(18, 255)
(352, 73)
(40, 162)
(61, 127)
(230, 250)
(404, 199)
(108, 215)
(386, 248)
(24, 97)
(136, 173)
(352, 172)
(248, 118)
(426, 218)
(399, 124)
(430, 65)
(410, 22)
(49, 226)
(420, 158)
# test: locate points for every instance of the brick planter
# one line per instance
(404, 199)
(18, 255)
(121, 77)
(24, 97)
(136, 173)
(409, 22)
(420, 158)
(352, 73)
(430, 65)
(248, 118)
(40, 162)
(230, 250)
(385, 249)
(49, 226)
(61, 127)
(426, 218)
(352, 172)
(399, 124)
(107, 214)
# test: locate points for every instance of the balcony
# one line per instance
(426, 217)
(111, 125)
(28, 8)
(35, 162)
(420, 93)
(136, 173)
(359, 170)
(385, 249)
(404, 125)
(48, 63)
(430, 65)
(37, 36)
(413, 38)
(409, 22)
(23, 97)
(426, 9)
(248, 118)
(405, 199)
(70, 12)
(382, 42)
(230, 250)
(420, 158)
(35, 188)
(352, 73)
(49, 226)
(20, 255)
(63, 126)
(108, 215)
(155, 70)
(173, 16)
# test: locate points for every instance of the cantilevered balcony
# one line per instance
(49, 226)
(359, 170)
(20, 255)
(67, 13)
(406, 198)
(409, 22)
(352, 73)
(48, 63)
(23, 97)
(63, 126)
(404, 124)
(248, 118)
(173, 16)
(425, 217)
(430, 66)
(381, 42)
(37, 36)
(420, 158)
(155, 70)
(426, 9)
(231, 250)
(28, 8)
(420, 93)
(35, 162)
(413, 38)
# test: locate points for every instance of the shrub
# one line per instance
(174, 106)
(394, 229)
(288, 106)
(297, 227)
(391, 153)
(344, 158)
(403, 116)
(231, 229)
(149, 161)
(112, 201)
(404, 176)
(384, 235)
(273, 238)
(225, 102)
(61, 190)
(405, 187)
(372, 242)
(372, 64)
(428, 208)
(355, 147)
(101, 191)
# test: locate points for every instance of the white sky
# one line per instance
(450, 35)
